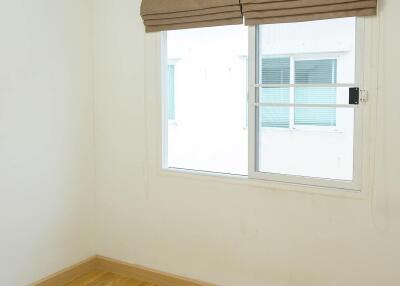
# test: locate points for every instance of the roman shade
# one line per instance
(284, 11)
(162, 15)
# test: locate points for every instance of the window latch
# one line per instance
(357, 95)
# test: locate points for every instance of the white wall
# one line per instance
(225, 233)
(120, 126)
(46, 137)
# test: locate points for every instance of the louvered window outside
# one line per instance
(278, 70)
(315, 72)
(275, 71)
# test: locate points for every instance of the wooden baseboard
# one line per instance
(118, 267)
(67, 275)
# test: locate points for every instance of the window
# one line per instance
(210, 89)
(279, 71)
(275, 71)
(315, 72)
(171, 92)
(291, 84)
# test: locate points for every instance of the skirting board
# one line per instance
(67, 275)
(118, 267)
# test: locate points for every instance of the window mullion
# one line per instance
(253, 69)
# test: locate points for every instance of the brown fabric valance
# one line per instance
(161, 15)
(284, 11)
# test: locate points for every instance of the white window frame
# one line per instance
(255, 178)
(254, 87)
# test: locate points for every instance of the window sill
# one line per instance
(262, 184)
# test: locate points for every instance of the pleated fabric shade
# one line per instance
(285, 11)
(162, 15)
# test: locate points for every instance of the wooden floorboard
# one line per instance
(103, 271)
(102, 278)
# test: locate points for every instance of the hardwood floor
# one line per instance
(102, 278)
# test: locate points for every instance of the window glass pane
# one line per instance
(209, 132)
(317, 141)
(309, 153)
(171, 92)
(315, 116)
(277, 117)
(315, 71)
(275, 71)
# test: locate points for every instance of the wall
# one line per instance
(46, 137)
(120, 127)
(222, 232)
